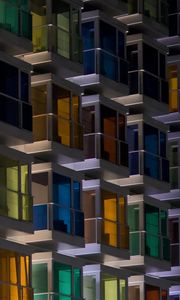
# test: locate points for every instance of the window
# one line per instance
(89, 287)
(109, 66)
(40, 278)
(107, 37)
(150, 59)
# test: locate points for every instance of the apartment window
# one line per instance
(9, 80)
(109, 66)
(150, 58)
(89, 62)
(151, 86)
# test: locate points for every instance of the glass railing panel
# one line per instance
(174, 177)
(124, 237)
(40, 38)
(27, 208)
(42, 297)
(27, 116)
(26, 24)
(132, 6)
(9, 111)
(109, 233)
(27, 293)
(175, 256)
(151, 165)
(165, 248)
(40, 128)
(77, 136)
(79, 223)
(89, 61)
(63, 43)
(62, 219)
(134, 163)
(76, 48)
(40, 218)
(164, 170)
(90, 227)
(109, 149)
(90, 145)
(152, 245)
(135, 243)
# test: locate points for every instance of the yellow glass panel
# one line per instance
(13, 270)
(173, 83)
(23, 274)
(24, 179)
(109, 205)
(110, 289)
(122, 211)
(38, 20)
(110, 233)
(27, 208)
(122, 286)
(12, 178)
(40, 128)
(64, 131)
(12, 204)
(63, 108)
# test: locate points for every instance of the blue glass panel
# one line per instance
(151, 139)
(79, 223)
(88, 35)
(62, 190)
(27, 116)
(9, 80)
(24, 87)
(151, 165)
(134, 163)
(9, 110)
(76, 194)
(40, 217)
(165, 170)
(107, 37)
(89, 62)
(120, 44)
(109, 66)
(62, 219)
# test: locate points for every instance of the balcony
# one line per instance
(56, 217)
(101, 231)
(142, 162)
(54, 128)
(54, 39)
(100, 146)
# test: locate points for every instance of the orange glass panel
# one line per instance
(14, 293)
(163, 295)
(63, 112)
(173, 88)
(110, 209)
(4, 268)
(4, 291)
(173, 100)
(39, 100)
(75, 108)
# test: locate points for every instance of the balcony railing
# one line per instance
(58, 40)
(98, 145)
(98, 230)
(15, 205)
(139, 241)
(54, 128)
(143, 162)
(55, 216)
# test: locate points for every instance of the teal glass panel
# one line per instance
(152, 241)
(152, 245)
(41, 297)
(62, 278)
(40, 279)
(76, 194)
(163, 220)
(26, 25)
(77, 282)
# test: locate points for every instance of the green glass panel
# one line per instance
(133, 217)
(27, 206)
(151, 219)
(77, 282)
(40, 279)
(2, 14)
(62, 278)
(152, 245)
(63, 43)
(122, 286)
(41, 297)
(26, 25)
(89, 287)
(24, 179)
